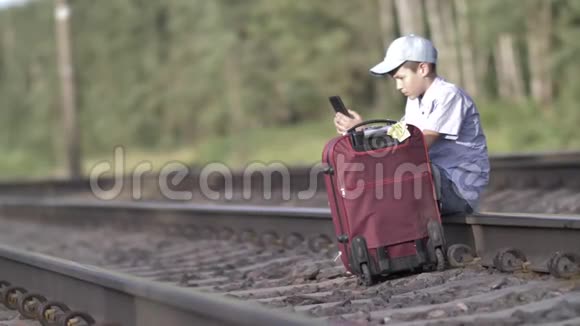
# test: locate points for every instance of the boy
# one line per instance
(447, 116)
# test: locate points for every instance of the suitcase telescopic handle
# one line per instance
(368, 122)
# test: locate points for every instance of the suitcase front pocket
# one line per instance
(389, 211)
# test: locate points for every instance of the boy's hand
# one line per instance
(343, 123)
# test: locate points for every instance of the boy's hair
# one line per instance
(414, 65)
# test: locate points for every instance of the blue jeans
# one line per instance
(451, 201)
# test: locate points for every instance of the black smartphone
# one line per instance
(338, 106)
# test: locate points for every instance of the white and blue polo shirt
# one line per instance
(461, 151)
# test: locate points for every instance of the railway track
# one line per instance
(235, 265)
(527, 183)
(134, 261)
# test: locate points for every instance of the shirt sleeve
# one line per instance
(446, 117)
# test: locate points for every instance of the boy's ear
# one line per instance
(424, 69)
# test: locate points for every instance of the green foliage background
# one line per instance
(209, 76)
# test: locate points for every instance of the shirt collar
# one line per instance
(431, 91)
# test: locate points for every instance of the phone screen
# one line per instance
(338, 106)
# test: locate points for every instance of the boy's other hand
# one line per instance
(343, 123)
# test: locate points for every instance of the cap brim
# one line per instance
(385, 67)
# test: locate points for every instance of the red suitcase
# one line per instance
(383, 203)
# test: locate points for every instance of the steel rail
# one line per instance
(287, 223)
(537, 157)
(538, 237)
(122, 299)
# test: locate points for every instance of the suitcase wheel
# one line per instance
(460, 255)
(440, 259)
(366, 276)
(436, 234)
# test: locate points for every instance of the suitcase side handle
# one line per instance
(368, 122)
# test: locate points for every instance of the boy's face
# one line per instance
(411, 83)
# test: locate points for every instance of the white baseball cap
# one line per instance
(406, 48)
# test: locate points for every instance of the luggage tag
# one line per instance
(399, 131)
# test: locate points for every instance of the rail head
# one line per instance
(240, 210)
(507, 219)
(522, 220)
(128, 300)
